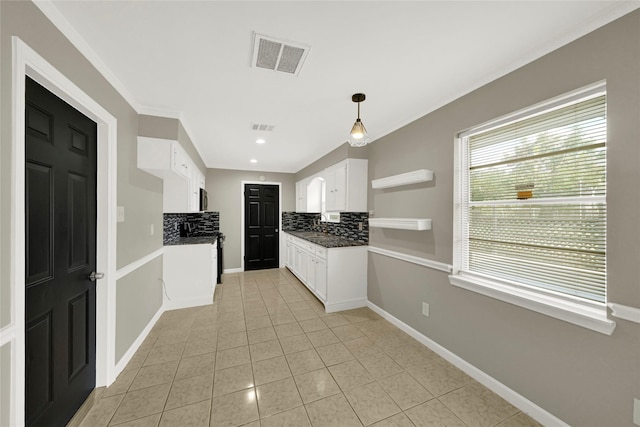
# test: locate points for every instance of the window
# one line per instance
(531, 208)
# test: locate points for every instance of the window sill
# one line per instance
(578, 314)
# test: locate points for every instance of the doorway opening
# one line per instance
(261, 226)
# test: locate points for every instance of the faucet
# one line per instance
(326, 220)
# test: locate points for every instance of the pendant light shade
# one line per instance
(358, 136)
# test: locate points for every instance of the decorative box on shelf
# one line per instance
(414, 177)
(418, 224)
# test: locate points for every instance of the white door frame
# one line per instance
(279, 184)
(27, 62)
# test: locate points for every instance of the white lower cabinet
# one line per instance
(190, 274)
(336, 276)
(321, 279)
(311, 271)
(290, 249)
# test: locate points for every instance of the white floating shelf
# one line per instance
(401, 223)
(417, 176)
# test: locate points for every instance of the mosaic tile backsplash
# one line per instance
(202, 224)
(347, 227)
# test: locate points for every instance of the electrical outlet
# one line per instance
(636, 411)
(360, 225)
(425, 309)
(152, 230)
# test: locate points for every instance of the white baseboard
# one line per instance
(126, 358)
(232, 270)
(346, 305)
(534, 411)
(175, 304)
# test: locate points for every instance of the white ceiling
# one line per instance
(192, 60)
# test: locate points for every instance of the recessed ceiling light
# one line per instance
(260, 141)
(253, 161)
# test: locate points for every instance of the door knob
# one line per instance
(95, 276)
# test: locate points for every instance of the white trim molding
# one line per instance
(176, 304)
(126, 357)
(242, 219)
(525, 405)
(130, 268)
(48, 8)
(346, 305)
(27, 62)
(436, 265)
(625, 312)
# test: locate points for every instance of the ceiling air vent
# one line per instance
(262, 127)
(278, 55)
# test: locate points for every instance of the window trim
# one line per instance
(591, 315)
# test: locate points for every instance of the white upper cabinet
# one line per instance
(336, 187)
(346, 186)
(315, 194)
(195, 184)
(340, 188)
(301, 195)
(181, 162)
(166, 159)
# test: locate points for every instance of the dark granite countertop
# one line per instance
(193, 240)
(326, 240)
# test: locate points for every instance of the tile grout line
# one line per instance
(266, 287)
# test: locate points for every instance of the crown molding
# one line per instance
(617, 10)
(48, 8)
(60, 22)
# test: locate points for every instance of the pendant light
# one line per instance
(358, 136)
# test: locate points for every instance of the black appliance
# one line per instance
(204, 201)
(220, 263)
(186, 229)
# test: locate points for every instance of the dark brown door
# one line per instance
(261, 219)
(60, 255)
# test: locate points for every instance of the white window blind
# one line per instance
(533, 207)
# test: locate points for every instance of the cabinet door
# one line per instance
(289, 260)
(311, 271)
(180, 164)
(340, 191)
(336, 188)
(321, 278)
(300, 263)
(301, 196)
(194, 191)
(296, 259)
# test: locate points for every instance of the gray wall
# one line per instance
(224, 191)
(342, 152)
(158, 127)
(131, 316)
(139, 192)
(583, 377)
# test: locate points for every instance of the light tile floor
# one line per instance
(266, 354)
